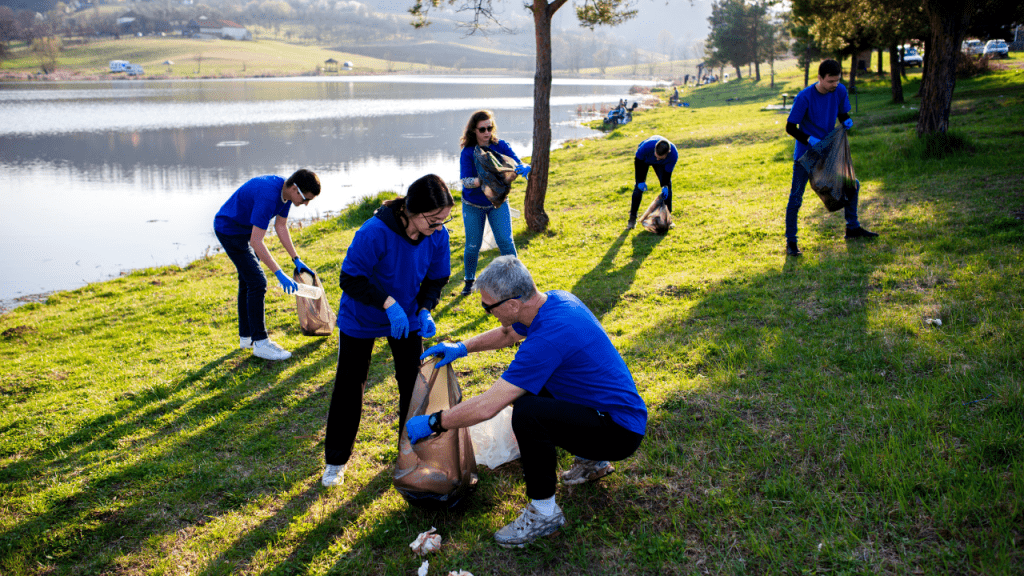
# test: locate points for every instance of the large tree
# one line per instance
(590, 14)
(949, 20)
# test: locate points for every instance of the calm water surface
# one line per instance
(111, 176)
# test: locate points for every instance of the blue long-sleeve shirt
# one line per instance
(467, 169)
(815, 113)
(645, 152)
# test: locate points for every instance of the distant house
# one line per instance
(210, 28)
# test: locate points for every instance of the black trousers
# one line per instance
(664, 179)
(350, 382)
(542, 423)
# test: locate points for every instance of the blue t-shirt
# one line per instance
(567, 351)
(468, 170)
(395, 265)
(253, 204)
(645, 152)
(815, 113)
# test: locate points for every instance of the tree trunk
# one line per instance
(949, 20)
(540, 159)
(739, 75)
(895, 67)
(881, 68)
(757, 71)
(853, 73)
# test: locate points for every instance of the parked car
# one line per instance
(996, 49)
(134, 70)
(911, 58)
(972, 47)
(118, 65)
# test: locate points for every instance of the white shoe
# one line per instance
(267, 350)
(244, 342)
(334, 475)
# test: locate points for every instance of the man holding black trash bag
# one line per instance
(811, 118)
(569, 387)
(658, 153)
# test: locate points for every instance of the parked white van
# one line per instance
(118, 65)
(134, 70)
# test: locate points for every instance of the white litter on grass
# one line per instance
(933, 321)
(426, 542)
(423, 569)
(460, 573)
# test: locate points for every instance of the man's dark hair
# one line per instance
(307, 181)
(661, 148)
(830, 68)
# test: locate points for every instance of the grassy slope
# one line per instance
(803, 416)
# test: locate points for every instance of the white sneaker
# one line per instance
(267, 350)
(244, 342)
(334, 475)
(529, 526)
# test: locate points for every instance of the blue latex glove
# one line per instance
(399, 321)
(287, 284)
(300, 267)
(427, 326)
(812, 140)
(665, 192)
(450, 352)
(848, 123)
(523, 170)
(642, 186)
(417, 428)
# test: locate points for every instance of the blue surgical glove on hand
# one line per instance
(812, 140)
(450, 352)
(523, 170)
(418, 428)
(665, 193)
(287, 284)
(848, 123)
(399, 321)
(642, 186)
(300, 267)
(427, 326)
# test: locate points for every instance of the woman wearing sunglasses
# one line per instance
(481, 130)
(391, 279)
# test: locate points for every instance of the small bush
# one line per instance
(968, 67)
(639, 90)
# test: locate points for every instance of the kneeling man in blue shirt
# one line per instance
(568, 385)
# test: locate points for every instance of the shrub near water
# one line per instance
(804, 418)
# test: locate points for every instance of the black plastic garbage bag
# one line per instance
(830, 169)
(496, 172)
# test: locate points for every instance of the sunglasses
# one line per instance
(488, 307)
(484, 129)
(302, 195)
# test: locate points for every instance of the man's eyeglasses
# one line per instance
(484, 129)
(489, 307)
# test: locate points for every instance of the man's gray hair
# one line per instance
(506, 277)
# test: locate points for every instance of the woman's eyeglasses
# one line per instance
(436, 224)
(489, 307)
(484, 129)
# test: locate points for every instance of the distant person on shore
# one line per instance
(568, 385)
(482, 130)
(658, 153)
(391, 278)
(241, 225)
(811, 118)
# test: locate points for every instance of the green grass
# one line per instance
(804, 417)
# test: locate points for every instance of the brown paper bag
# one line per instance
(316, 317)
(439, 471)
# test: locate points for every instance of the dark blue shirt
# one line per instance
(255, 203)
(815, 113)
(645, 152)
(567, 351)
(467, 169)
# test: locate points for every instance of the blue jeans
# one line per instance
(796, 199)
(252, 285)
(501, 225)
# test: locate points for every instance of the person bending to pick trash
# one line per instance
(811, 117)
(658, 153)
(568, 385)
(241, 225)
(391, 278)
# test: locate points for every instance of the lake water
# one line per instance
(102, 177)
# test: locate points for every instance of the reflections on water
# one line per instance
(131, 173)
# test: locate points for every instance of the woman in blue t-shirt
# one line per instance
(391, 279)
(481, 130)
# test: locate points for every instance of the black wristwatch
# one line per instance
(435, 423)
